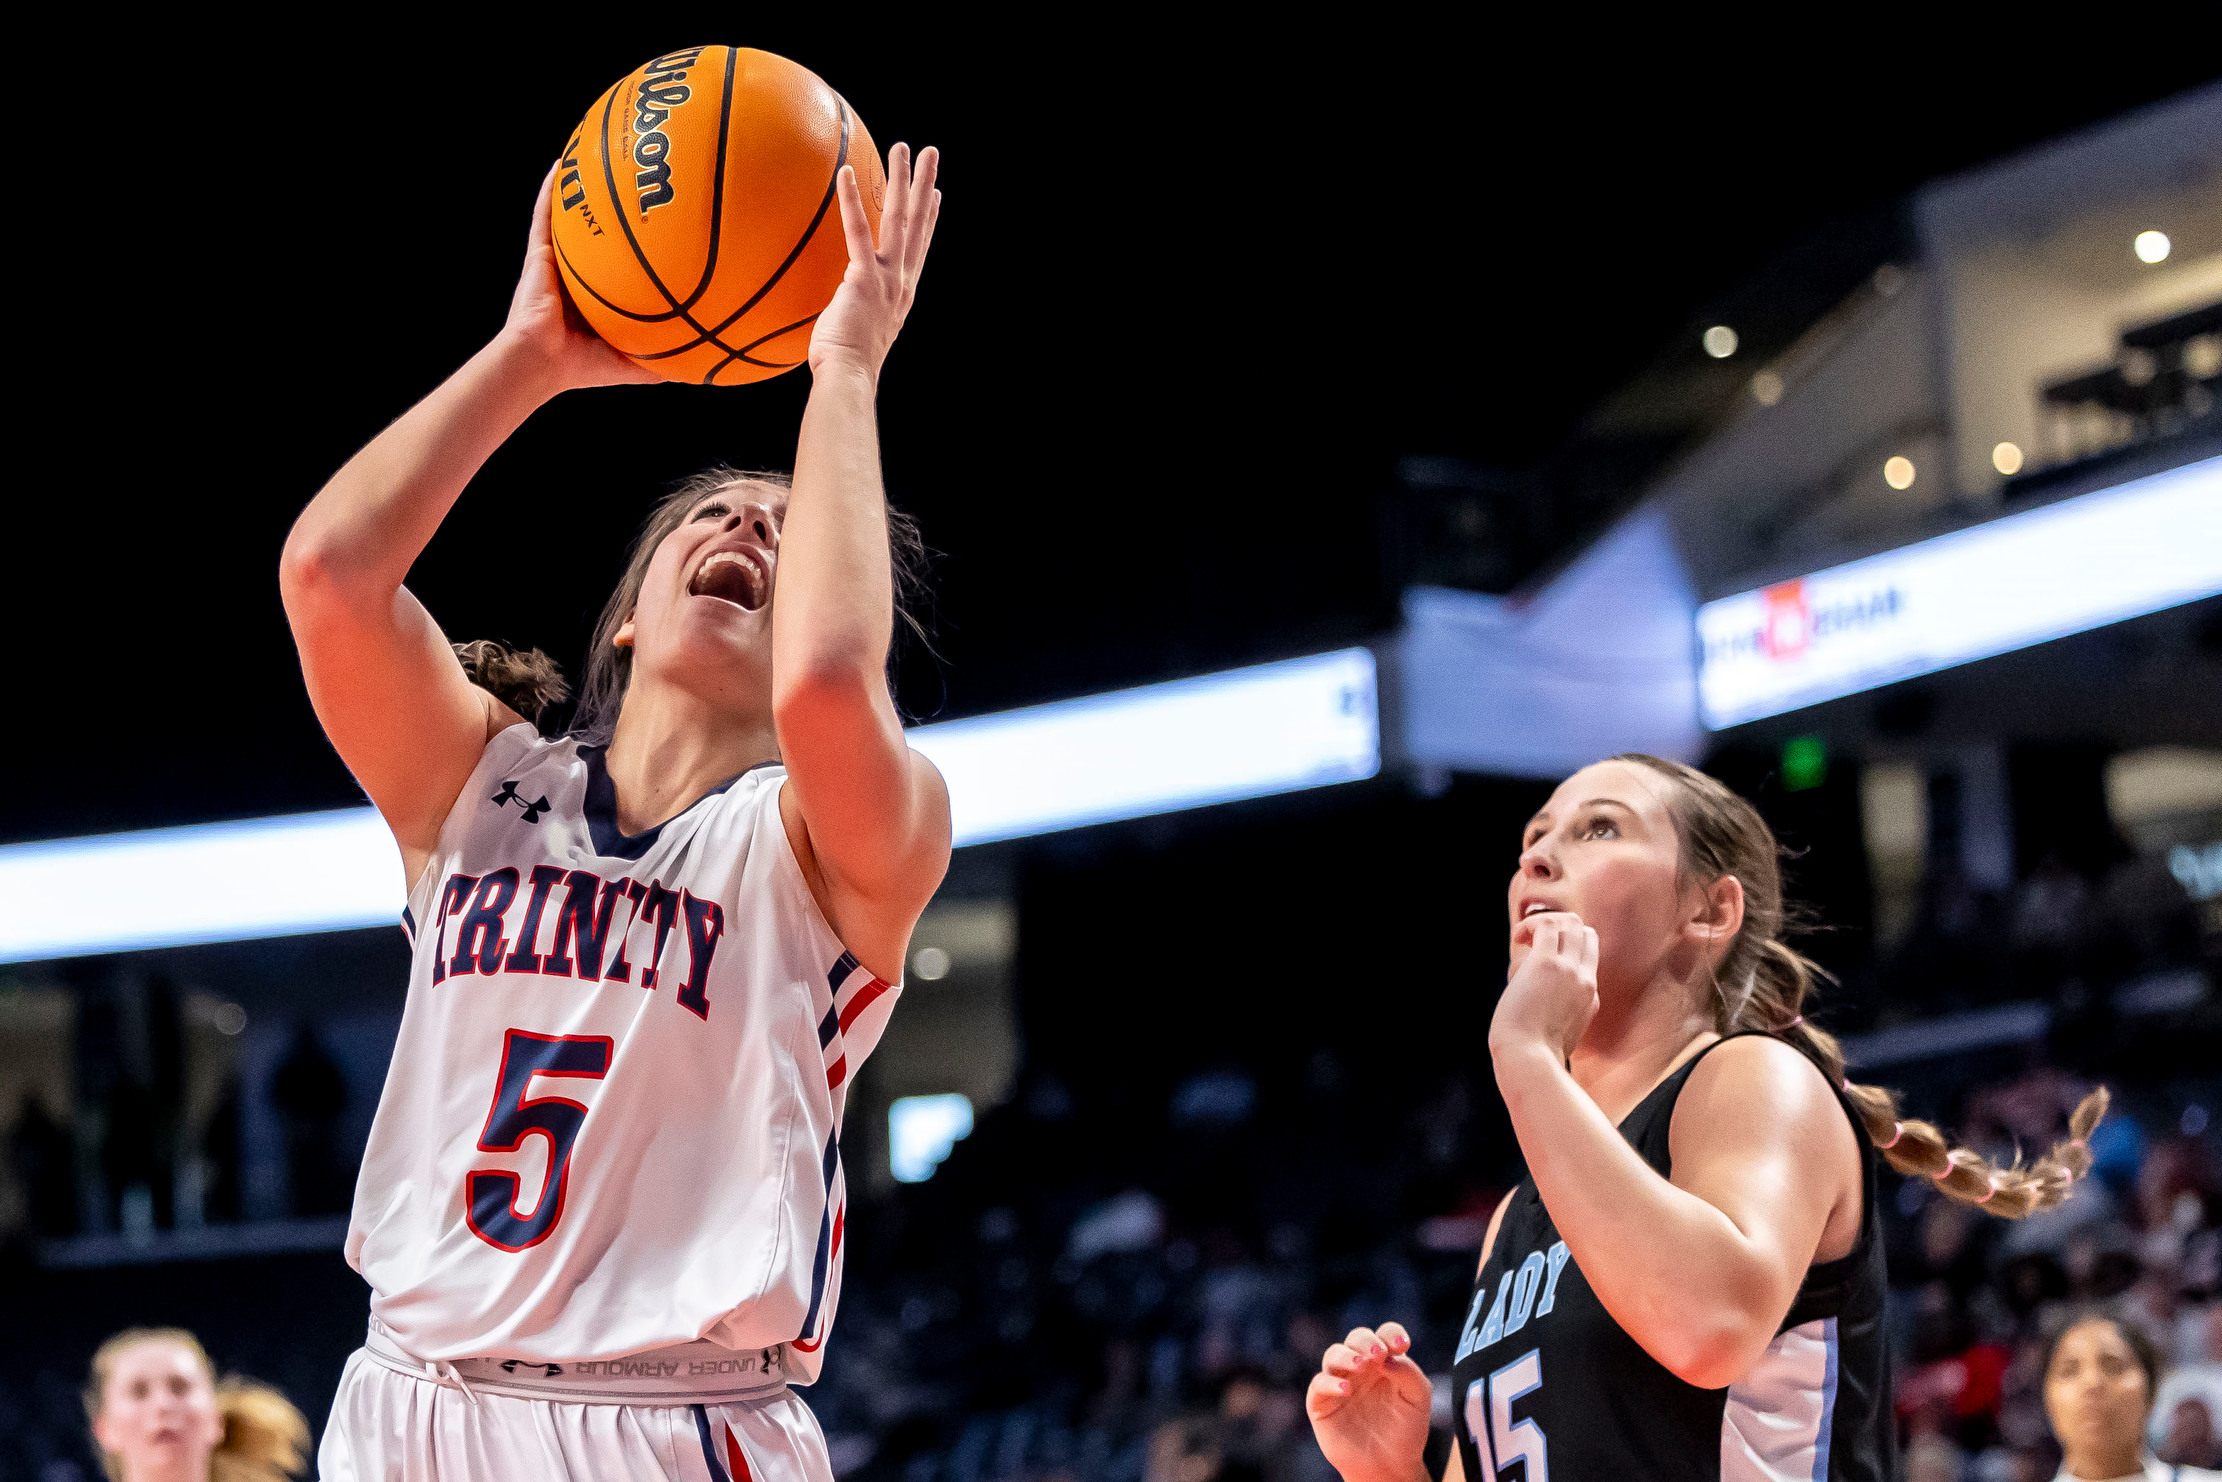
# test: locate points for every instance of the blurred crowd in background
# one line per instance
(1083, 1294)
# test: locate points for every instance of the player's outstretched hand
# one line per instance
(868, 309)
(544, 324)
(1369, 1406)
(1551, 994)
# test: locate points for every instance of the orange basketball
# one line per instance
(695, 220)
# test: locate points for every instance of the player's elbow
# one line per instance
(311, 572)
(316, 578)
(1709, 1351)
(825, 689)
(305, 572)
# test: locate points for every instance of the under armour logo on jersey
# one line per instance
(508, 794)
(511, 1366)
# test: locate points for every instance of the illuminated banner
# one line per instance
(1246, 733)
(2082, 563)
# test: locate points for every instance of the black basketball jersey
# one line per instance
(1546, 1383)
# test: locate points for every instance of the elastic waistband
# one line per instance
(683, 1374)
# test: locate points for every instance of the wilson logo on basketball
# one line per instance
(663, 89)
(700, 233)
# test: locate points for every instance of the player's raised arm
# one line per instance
(873, 815)
(380, 673)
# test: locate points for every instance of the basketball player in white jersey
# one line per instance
(602, 1208)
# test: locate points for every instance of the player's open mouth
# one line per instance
(731, 576)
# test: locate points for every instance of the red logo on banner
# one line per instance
(1789, 622)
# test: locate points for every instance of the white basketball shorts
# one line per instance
(395, 1420)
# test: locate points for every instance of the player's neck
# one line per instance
(671, 747)
(2108, 1465)
(1635, 1043)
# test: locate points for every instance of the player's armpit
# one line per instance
(874, 916)
(395, 703)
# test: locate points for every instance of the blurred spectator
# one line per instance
(2189, 1440)
(45, 1160)
(158, 1415)
(1953, 1391)
(2100, 1382)
(2049, 910)
(310, 1092)
(2188, 1407)
(1953, 953)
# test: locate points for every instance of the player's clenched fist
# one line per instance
(1369, 1406)
(1551, 994)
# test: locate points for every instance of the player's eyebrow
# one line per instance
(1542, 817)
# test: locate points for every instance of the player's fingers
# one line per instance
(1325, 1395)
(543, 212)
(1393, 1337)
(1411, 1381)
(922, 220)
(896, 213)
(855, 225)
(922, 181)
(1367, 1342)
(898, 175)
(1341, 1360)
(1589, 949)
(921, 237)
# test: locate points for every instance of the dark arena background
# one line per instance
(1522, 370)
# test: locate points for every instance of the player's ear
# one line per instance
(623, 637)
(1719, 912)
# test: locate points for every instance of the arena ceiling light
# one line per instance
(1245, 733)
(2150, 544)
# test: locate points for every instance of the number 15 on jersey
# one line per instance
(1498, 1438)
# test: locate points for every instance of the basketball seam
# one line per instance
(617, 204)
(741, 353)
(708, 335)
(833, 187)
(711, 378)
(717, 199)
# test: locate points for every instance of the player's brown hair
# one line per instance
(1763, 983)
(528, 682)
(532, 684)
(609, 669)
(265, 1438)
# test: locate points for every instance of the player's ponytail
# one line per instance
(1763, 983)
(528, 683)
(265, 1438)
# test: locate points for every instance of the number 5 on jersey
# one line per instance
(490, 1194)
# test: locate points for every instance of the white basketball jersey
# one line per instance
(613, 1117)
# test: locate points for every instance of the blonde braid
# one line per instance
(1722, 834)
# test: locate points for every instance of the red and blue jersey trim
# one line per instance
(853, 989)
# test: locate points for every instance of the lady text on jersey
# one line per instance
(1545, 1379)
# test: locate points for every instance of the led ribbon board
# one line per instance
(1246, 733)
(2118, 553)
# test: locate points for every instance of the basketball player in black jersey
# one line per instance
(1689, 1282)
